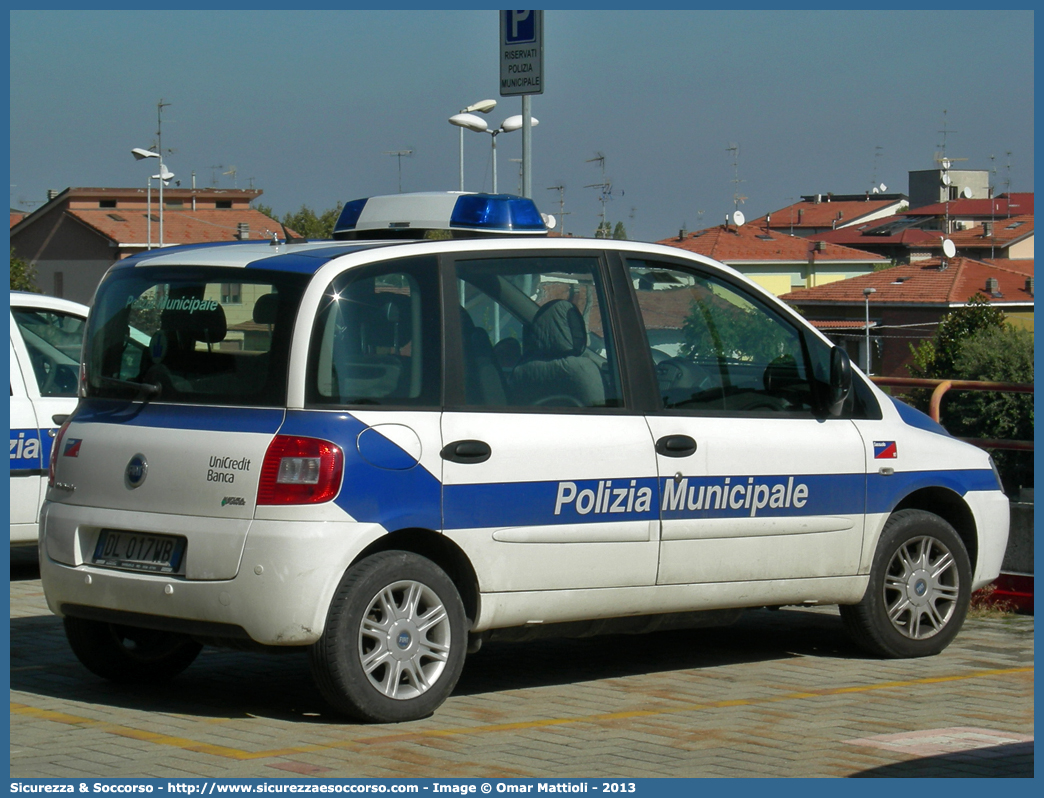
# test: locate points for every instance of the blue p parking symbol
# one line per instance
(519, 27)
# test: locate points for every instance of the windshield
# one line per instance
(195, 335)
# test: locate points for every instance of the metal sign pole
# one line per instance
(522, 73)
(527, 147)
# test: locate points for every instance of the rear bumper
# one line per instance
(279, 595)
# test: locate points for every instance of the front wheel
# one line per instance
(394, 642)
(127, 653)
(920, 587)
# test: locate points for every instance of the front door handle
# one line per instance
(466, 452)
(676, 446)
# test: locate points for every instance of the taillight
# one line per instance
(55, 449)
(300, 471)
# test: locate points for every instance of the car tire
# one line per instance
(394, 642)
(129, 654)
(919, 590)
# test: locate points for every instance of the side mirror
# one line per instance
(840, 380)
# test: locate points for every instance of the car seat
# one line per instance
(554, 371)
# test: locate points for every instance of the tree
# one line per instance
(976, 343)
(604, 230)
(620, 232)
(23, 275)
(996, 354)
(305, 222)
(935, 358)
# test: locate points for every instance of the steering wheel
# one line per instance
(681, 373)
(50, 369)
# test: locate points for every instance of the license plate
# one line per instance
(138, 551)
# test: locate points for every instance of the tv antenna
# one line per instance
(232, 173)
(944, 132)
(400, 154)
(737, 198)
(878, 152)
(214, 173)
(606, 190)
(1007, 180)
(560, 188)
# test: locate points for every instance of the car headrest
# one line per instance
(558, 330)
(208, 326)
(265, 309)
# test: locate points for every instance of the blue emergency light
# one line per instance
(461, 214)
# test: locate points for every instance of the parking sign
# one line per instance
(521, 52)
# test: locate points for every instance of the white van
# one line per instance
(46, 335)
(386, 449)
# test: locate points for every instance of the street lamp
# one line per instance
(163, 177)
(472, 122)
(467, 119)
(866, 299)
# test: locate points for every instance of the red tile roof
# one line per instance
(1015, 203)
(824, 213)
(923, 283)
(180, 226)
(863, 235)
(755, 243)
(1022, 265)
(1005, 233)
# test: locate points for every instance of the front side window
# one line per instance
(717, 348)
(376, 339)
(53, 339)
(171, 335)
(535, 333)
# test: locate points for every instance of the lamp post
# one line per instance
(164, 177)
(866, 300)
(467, 119)
(472, 122)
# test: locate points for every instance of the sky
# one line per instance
(690, 108)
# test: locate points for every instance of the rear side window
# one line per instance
(53, 340)
(534, 333)
(377, 338)
(179, 335)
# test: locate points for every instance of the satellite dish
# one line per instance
(946, 180)
(738, 218)
(966, 192)
(875, 190)
(945, 163)
(549, 221)
(884, 188)
(949, 250)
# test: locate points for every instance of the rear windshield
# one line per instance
(193, 335)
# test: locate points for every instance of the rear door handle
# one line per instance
(676, 446)
(466, 452)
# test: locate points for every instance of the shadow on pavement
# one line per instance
(24, 563)
(234, 684)
(1014, 760)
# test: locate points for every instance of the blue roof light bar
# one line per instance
(461, 214)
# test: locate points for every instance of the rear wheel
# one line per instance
(395, 639)
(920, 587)
(127, 653)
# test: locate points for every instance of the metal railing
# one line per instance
(940, 387)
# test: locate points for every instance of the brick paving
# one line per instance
(780, 693)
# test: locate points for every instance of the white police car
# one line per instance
(387, 449)
(46, 335)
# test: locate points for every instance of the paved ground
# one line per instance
(779, 694)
